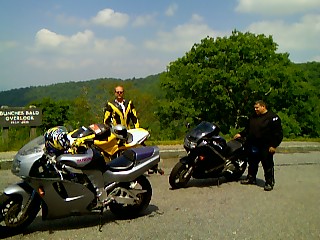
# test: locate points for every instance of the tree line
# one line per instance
(218, 80)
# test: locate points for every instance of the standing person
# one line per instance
(120, 110)
(263, 135)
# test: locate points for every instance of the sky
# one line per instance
(54, 41)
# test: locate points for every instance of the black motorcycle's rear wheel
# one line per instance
(126, 210)
(178, 177)
(12, 213)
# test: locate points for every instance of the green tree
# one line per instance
(219, 79)
(54, 113)
(82, 112)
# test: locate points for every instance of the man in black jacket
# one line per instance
(264, 134)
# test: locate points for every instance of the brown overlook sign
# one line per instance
(18, 116)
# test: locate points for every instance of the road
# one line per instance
(205, 210)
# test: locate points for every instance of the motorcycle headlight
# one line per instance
(189, 144)
(15, 169)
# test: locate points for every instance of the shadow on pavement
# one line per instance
(74, 222)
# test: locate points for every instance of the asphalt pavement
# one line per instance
(206, 208)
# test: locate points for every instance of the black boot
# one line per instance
(268, 187)
(249, 180)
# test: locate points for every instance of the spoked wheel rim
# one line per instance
(141, 201)
(14, 215)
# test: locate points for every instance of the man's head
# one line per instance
(119, 92)
(260, 107)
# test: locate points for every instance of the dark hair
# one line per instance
(261, 103)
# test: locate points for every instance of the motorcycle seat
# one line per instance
(232, 146)
(129, 158)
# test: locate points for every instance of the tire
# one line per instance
(12, 214)
(177, 177)
(123, 210)
(237, 172)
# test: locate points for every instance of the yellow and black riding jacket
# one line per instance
(114, 114)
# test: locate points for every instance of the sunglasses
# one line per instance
(119, 92)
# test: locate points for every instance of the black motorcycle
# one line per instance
(209, 156)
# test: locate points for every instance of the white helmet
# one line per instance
(120, 131)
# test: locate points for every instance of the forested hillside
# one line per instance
(71, 90)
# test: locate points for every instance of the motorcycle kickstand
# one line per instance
(100, 220)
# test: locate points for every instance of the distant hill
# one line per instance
(104, 87)
(71, 90)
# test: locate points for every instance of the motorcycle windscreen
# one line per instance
(203, 129)
(34, 146)
(81, 132)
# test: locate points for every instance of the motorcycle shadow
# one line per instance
(208, 182)
(74, 222)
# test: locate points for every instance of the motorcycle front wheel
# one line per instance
(179, 176)
(141, 203)
(12, 213)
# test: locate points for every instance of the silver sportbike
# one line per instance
(61, 185)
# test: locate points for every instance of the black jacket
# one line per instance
(264, 130)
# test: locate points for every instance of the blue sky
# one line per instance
(46, 42)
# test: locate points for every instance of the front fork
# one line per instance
(189, 164)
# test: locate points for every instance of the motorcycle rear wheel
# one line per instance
(13, 215)
(177, 177)
(142, 203)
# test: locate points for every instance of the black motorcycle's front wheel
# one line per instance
(140, 203)
(179, 176)
(16, 216)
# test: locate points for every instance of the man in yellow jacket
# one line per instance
(120, 110)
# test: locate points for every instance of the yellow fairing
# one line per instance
(110, 145)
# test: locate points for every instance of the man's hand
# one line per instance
(237, 136)
(272, 150)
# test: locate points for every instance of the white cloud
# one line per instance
(45, 37)
(182, 37)
(79, 51)
(109, 18)
(277, 7)
(171, 10)
(301, 35)
(46, 40)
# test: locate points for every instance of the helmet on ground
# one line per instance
(120, 131)
(56, 140)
